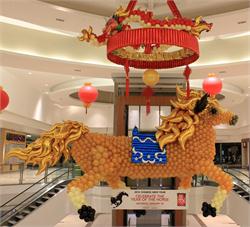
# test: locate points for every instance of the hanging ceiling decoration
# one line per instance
(134, 38)
(87, 94)
(4, 99)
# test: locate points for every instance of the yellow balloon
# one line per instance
(151, 77)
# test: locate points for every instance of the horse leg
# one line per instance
(185, 182)
(225, 186)
(115, 182)
(75, 191)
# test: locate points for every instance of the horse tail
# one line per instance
(48, 149)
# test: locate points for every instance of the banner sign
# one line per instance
(149, 199)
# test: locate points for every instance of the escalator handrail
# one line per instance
(241, 173)
(238, 179)
(30, 187)
(2, 217)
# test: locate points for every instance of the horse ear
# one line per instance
(201, 104)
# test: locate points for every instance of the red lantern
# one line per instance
(212, 84)
(87, 94)
(4, 99)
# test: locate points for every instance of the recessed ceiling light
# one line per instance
(242, 22)
(46, 92)
(72, 77)
(60, 19)
(46, 85)
(29, 73)
(77, 70)
(247, 94)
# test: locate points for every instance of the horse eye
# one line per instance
(213, 111)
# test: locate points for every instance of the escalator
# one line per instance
(241, 182)
(23, 204)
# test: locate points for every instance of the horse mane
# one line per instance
(180, 124)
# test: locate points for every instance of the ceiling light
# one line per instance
(46, 92)
(72, 77)
(29, 136)
(242, 22)
(46, 85)
(29, 73)
(24, 24)
(60, 19)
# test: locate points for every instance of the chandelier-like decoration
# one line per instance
(134, 38)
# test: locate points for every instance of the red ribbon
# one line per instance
(187, 73)
(126, 67)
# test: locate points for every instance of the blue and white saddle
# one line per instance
(145, 148)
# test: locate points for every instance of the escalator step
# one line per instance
(26, 211)
(39, 202)
(12, 222)
(58, 189)
(19, 216)
(46, 197)
(33, 206)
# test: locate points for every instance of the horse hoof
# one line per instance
(207, 210)
(87, 213)
(139, 213)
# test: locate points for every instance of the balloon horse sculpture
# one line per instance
(187, 135)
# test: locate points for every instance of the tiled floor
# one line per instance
(104, 220)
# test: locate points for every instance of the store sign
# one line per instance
(149, 199)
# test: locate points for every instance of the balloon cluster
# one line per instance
(77, 197)
(207, 210)
(87, 213)
(218, 199)
(139, 213)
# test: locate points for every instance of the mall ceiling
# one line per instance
(45, 52)
(188, 8)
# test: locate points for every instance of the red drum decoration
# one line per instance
(212, 84)
(87, 94)
(149, 46)
(4, 99)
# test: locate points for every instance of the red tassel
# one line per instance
(148, 106)
(148, 92)
(187, 73)
(126, 67)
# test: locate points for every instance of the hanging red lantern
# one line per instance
(150, 77)
(212, 84)
(87, 94)
(4, 99)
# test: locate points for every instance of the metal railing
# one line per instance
(23, 174)
(27, 196)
